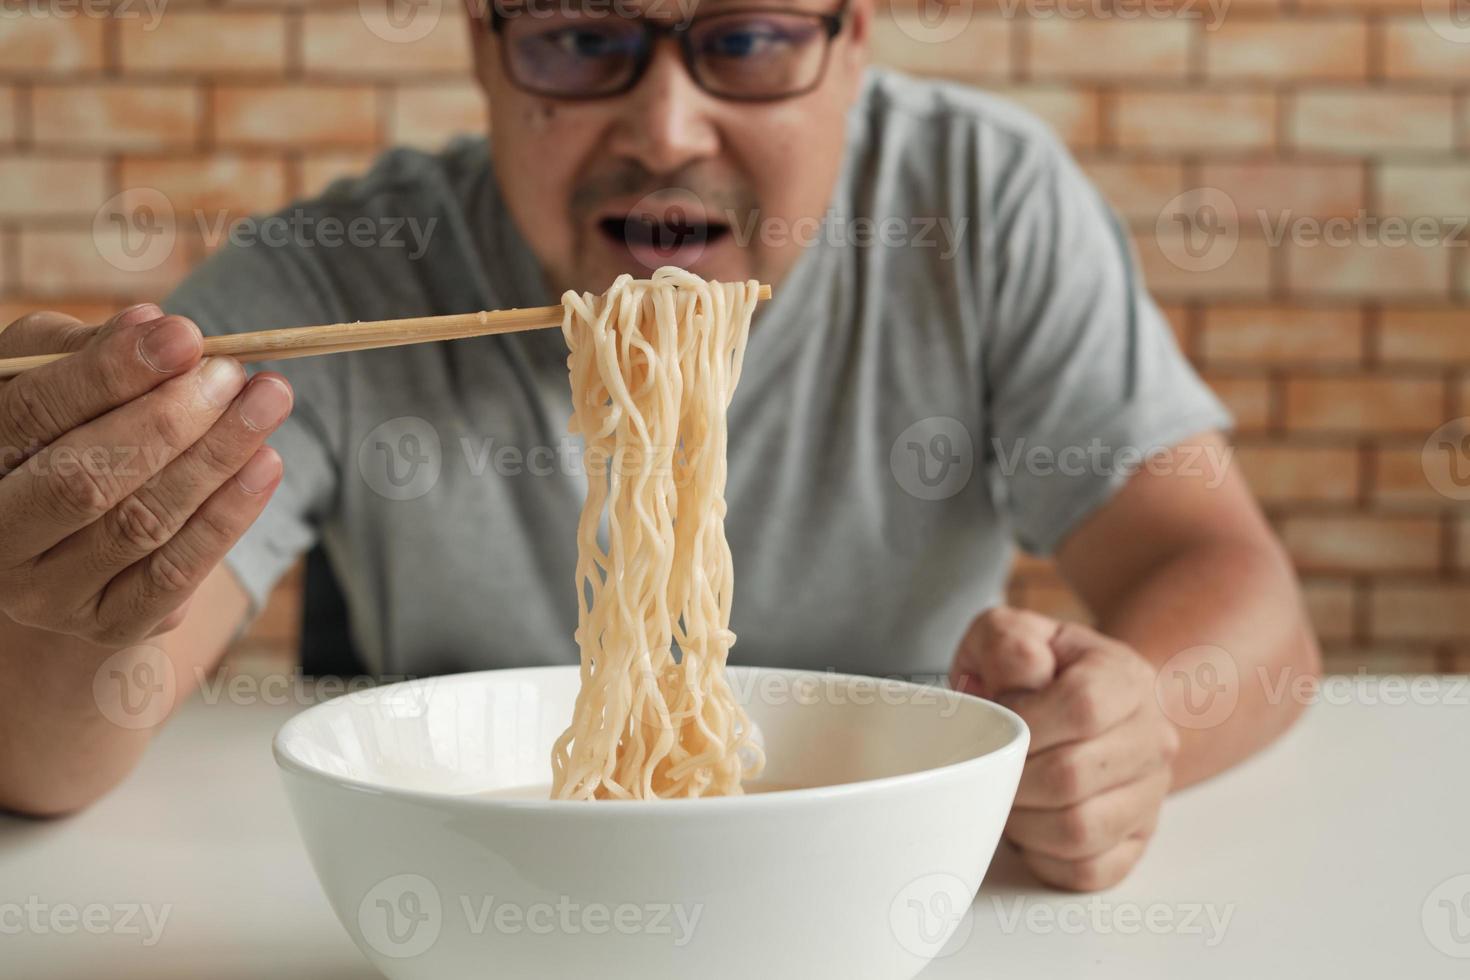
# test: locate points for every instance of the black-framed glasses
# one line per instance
(563, 50)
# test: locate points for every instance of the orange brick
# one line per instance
(1411, 190)
(1421, 611)
(8, 97)
(1286, 473)
(62, 262)
(428, 115)
(1278, 334)
(205, 42)
(1245, 272)
(143, 117)
(1137, 189)
(319, 169)
(41, 185)
(1361, 403)
(1412, 49)
(1428, 336)
(1299, 49)
(1401, 478)
(1073, 113)
(1195, 120)
(209, 184)
(1360, 120)
(1248, 399)
(1362, 543)
(50, 44)
(1264, 191)
(363, 41)
(318, 115)
(1332, 607)
(1368, 270)
(981, 51)
(1108, 48)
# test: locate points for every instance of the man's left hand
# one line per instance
(1099, 765)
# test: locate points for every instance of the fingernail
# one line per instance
(141, 313)
(262, 470)
(170, 346)
(265, 404)
(220, 380)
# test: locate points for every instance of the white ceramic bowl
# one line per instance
(864, 878)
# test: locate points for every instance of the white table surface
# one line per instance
(1336, 853)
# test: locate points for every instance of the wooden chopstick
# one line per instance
(338, 338)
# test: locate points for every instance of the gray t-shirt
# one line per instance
(969, 310)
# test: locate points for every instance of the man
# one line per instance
(884, 441)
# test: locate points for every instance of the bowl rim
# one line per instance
(1016, 744)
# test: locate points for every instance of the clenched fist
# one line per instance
(127, 471)
(1101, 751)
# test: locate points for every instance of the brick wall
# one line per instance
(1339, 359)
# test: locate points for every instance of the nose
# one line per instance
(666, 122)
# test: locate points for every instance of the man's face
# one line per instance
(667, 173)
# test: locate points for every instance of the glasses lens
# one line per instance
(572, 53)
(759, 55)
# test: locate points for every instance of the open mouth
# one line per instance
(670, 238)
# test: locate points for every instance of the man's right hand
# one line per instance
(127, 471)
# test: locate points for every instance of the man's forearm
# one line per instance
(76, 717)
(58, 750)
(1242, 599)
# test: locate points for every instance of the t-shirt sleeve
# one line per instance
(1082, 373)
(245, 288)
